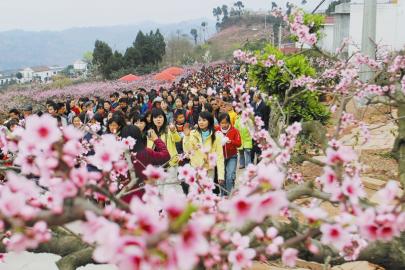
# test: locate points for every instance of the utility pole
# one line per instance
(368, 35)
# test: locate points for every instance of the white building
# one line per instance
(80, 65)
(389, 26)
(40, 73)
(6, 79)
(348, 23)
(326, 42)
(27, 75)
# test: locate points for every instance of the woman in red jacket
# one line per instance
(144, 156)
(230, 148)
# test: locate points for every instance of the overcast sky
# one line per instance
(62, 14)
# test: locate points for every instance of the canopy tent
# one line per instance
(129, 78)
(164, 76)
(175, 71)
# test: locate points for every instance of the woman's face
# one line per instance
(72, 103)
(77, 123)
(107, 106)
(113, 126)
(110, 114)
(190, 104)
(141, 125)
(179, 104)
(202, 123)
(149, 118)
(164, 105)
(158, 121)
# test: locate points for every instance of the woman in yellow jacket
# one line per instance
(169, 135)
(202, 142)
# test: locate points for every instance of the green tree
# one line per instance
(114, 64)
(204, 28)
(19, 75)
(217, 12)
(289, 7)
(159, 47)
(299, 105)
(240, 6)
(88, 57)
(102, 55)
(132, 57)
(225, 12)
(194, 34)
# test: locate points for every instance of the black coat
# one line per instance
(263, 110)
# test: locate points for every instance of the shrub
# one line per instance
(276, 79)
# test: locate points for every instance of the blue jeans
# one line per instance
(230, 174)
(245, 157)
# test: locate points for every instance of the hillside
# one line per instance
(30, 48)
(235, 36)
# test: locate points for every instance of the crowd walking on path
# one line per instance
(192, 122)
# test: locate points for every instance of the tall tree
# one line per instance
(217, 12)
(194, 34)
(101, 53)
(160, 46)
(289, 7)
(132, 58)
(273, 5)
(114, 64)
(240, 6)
(225, 12)
(204, 28)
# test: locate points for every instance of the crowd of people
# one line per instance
(191, 122)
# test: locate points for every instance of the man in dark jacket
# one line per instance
(262, 110)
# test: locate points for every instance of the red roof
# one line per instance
(130, 78)
(175, 71)
(164, 76)
(289, 50)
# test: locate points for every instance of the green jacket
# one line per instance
(247, 142)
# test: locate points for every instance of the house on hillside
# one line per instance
(7, 78)
(80, 65)
(39, 73)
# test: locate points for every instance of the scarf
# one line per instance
(205, 135)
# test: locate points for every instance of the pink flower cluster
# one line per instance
(299, 29)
